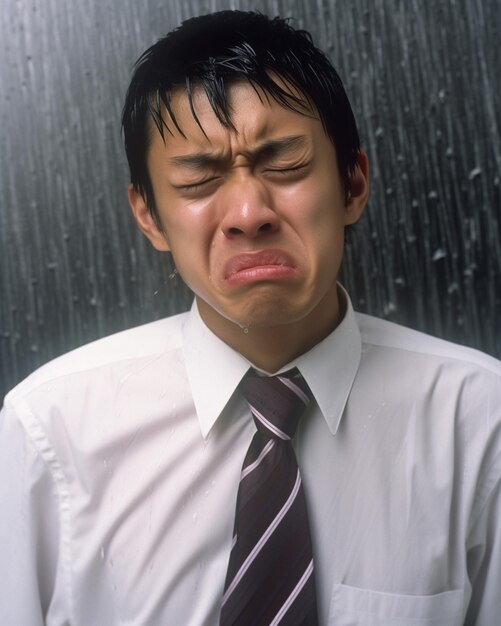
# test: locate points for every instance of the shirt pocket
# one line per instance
(351, 606)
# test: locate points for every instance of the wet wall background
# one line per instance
(424, 78)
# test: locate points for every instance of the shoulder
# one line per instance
(92, 395)
(448, 397)
(433, 377)
(419, 346)
(134, 344)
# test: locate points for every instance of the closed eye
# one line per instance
(287, 171)
(199, 185)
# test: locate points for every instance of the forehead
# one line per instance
(253, 112)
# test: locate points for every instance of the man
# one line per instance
(122, 460)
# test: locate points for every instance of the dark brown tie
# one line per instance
(270, 576)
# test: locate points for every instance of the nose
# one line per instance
(247, 209)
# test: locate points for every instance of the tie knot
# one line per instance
(276, 402)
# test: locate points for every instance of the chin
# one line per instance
(269, 312)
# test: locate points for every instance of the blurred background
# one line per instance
(424, 79)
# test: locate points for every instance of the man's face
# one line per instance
(254, 217)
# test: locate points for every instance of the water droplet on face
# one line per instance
(246, 330)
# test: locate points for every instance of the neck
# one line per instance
(271, 347)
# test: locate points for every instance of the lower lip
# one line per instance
(261, 273)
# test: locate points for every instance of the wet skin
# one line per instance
(254, 218)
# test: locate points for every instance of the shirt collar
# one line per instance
(214, 369)
(331, 366)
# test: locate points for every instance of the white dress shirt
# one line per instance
(120, 464)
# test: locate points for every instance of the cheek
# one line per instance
(323, 218)
(320, 197)
(324, 226)
(190, 245)
(187, 226)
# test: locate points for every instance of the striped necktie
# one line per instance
(270, 577)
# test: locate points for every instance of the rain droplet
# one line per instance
(440, 253)
(477, 171)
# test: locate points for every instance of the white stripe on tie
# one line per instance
(295, 388)
(267, 448)
(295, 592)
(234, 542)
(274, 429)
(266, 535)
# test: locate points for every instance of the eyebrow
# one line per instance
(271, 148)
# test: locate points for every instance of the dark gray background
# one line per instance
(424, 78)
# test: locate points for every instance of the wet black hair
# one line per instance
(215, 50)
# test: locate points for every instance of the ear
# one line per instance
(147, 225)
(358, 190)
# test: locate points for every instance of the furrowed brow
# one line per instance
(270, 148)
(197, 161)
(279, 147)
